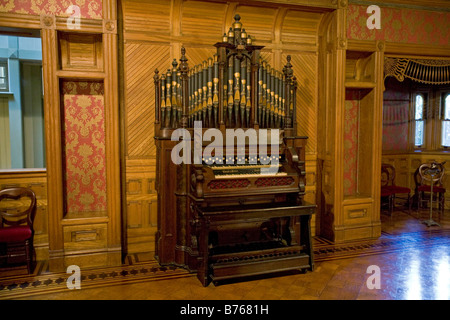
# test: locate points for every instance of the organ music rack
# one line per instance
(225, 221)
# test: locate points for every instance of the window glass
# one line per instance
(419, 119)
(419, 107)
(419, 133)
(22, 141)
(4, 75)
(446, 121)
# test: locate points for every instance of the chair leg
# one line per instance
(29, 254)
(409, 203)
(392, 204)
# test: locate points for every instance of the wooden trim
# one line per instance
(53, 140)
(400, 49)
(434, 5)
(307, 5)
(112, 127)
(414, 49)
(80, 75)
(22, 173)
(27, 21)
(17, 20)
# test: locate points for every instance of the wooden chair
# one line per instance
(386, 201)
(16, 226)
(388, 186)
(425, 175)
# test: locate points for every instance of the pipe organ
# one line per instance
(229, 216)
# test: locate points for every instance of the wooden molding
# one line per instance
(86, 25)
(435, 5)
(47, 21)
(381, 45)
(110, 26)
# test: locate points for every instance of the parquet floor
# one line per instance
(413, 262)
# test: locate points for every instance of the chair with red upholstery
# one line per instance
(426, 175)
(388, 186)
(16, 225)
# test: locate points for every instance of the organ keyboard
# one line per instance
(239, 214)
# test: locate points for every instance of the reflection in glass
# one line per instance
(419, 133)
(419, 113)
(419, 107)
(446, 122)
(22, 141)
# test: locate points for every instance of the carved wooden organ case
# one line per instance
(226, 216)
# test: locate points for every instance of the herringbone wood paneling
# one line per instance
(196, 55)
(141, 60)
(305, 70)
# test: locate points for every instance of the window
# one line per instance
(4, 86)
(445, 138)
(419, 117)
(22, 140)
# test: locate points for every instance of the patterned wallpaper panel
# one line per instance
(91, 9)
(84, 146)
(351, 142)
(400, 25)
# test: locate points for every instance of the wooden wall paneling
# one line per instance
(323, 217)
(152, 17)
(53, 148)
(141, 201)
(300, 27)
(141, 60)
(197, 55)
(305, 70)
(338, 53)
(81, 51)
(259, 22)
(153, 34)
(85, 53)
(112, 134)
(348, 216)
(377, 136)
(202, 23)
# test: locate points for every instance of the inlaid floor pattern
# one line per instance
(413, 260)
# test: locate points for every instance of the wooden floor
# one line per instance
(413, 262)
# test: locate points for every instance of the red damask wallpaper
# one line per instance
(91, 9)
(84, 146)
(351, 142)
(400, 25)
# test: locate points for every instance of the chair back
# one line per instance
(429, 173)
(19, 216)
(387, 175)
